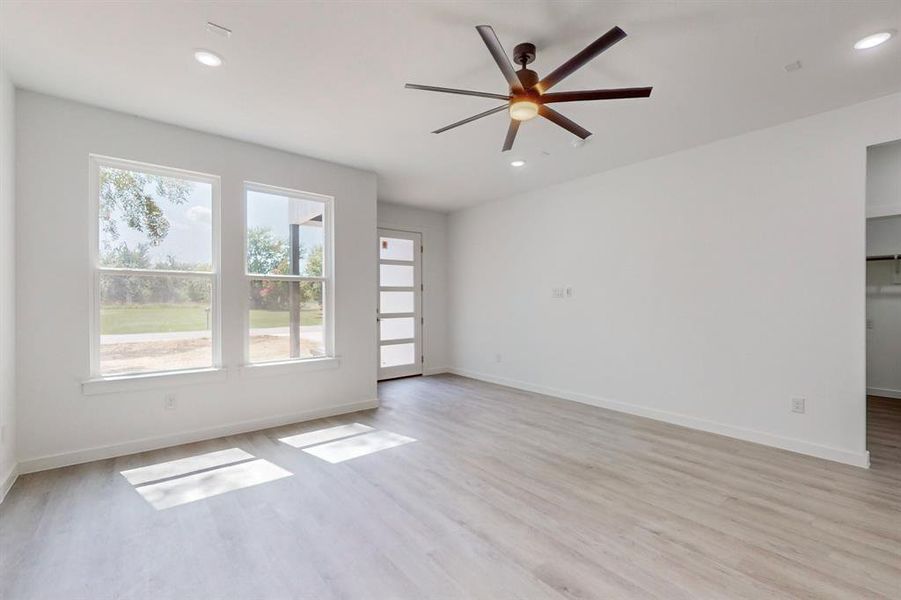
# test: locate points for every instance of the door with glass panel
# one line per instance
(400, 304)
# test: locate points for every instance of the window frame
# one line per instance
(96, 162)
(327, 279)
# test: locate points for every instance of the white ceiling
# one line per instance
(326, 79)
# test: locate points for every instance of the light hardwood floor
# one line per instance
(505, 494)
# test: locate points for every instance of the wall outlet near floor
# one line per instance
(169, 402)
(569, 291)
(798, 405)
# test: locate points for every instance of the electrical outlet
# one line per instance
(569, 291)
(497, 358)
(798, 405)
(557, 292)
(169, 402)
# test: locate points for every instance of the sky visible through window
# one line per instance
(190, 234)
(272, 212)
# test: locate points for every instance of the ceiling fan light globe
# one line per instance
(523, 110)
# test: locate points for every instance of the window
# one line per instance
(288, 268)
(156, 285)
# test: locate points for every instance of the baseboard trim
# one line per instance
(8, 482)
(435, 371)
(857, 459)
(884, 392)
(66, 459)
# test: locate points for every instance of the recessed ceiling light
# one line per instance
(871, 41)
(517, 163)
(207, 57)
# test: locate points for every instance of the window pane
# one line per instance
(397, 329)
(286, 320)
(285, 235)
(395, 249)
(396, 275)
(154, 323)
(153, 222)
(396, 302)
(395, 355)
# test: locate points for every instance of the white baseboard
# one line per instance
(66, 459)
(857, 459)
(435, 371)
(884, 392)
(7, 483)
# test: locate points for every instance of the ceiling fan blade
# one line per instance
(511, 134)
(431, 88)
(571, 126)
(638, 92)
(472, 118)
(580, 60)
(500, 57)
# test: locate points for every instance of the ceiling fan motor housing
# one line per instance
(524, 53)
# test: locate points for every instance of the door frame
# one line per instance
(416, 368)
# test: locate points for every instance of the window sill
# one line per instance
(289, 367)
(150, 381)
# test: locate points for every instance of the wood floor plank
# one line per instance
(504, 494)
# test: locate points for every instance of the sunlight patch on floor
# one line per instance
(360, 445)
(344, 442)
(183, 466)
(310, 438)
(173, 483)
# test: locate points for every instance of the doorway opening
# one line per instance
(883, 303)
(399, 304)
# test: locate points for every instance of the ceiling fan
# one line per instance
(528, 95)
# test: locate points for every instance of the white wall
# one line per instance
(711, 286)
(433, 227)
(884, 179)
(56, 423)
(7, 284)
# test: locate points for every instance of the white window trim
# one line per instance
(152, 381)
(119, 382)
(330, 360)
(290, 366)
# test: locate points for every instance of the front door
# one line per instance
(400, 304)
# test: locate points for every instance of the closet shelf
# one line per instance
(884, 257)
